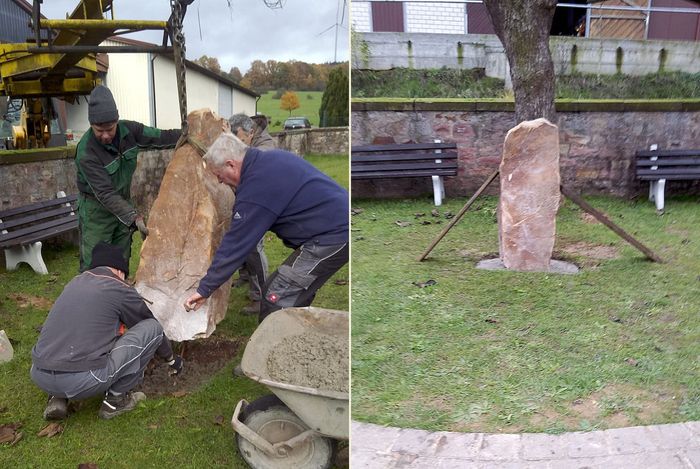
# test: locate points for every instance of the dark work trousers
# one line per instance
(124, 370)
(297, 280)
(254, 270)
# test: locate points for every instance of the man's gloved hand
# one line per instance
(141, 226)
(175, 363)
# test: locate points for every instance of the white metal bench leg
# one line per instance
(438, 190)
(652, 190)
(659, 194)
(30, 254)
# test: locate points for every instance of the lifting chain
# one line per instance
(179, 8)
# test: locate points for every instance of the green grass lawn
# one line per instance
(189, 431)
(489, 351)
(308, 108)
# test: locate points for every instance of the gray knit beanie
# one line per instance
(102, 108)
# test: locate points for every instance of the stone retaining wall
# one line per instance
(27, 177)
(38, 177)
(598, 141)
(327, 140)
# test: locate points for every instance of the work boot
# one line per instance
(117, 405)
(56, 408)
(252, 308)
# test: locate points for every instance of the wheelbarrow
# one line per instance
(299, 425)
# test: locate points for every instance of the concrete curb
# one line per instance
(668, 446)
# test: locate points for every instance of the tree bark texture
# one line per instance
(523, 27)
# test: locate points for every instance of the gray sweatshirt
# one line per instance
(83, 324)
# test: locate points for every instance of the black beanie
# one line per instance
(109, 255)
(102, 108)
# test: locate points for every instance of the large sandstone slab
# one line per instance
(529, 195)
(186, 223)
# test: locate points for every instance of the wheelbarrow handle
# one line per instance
(280, 449)
(256, 440)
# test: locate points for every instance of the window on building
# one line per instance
(387, 17)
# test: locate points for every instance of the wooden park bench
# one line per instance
(434, 160)
(23, 228)
(658, 166)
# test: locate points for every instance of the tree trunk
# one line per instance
(523, 27)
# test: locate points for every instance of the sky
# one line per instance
(244, 31)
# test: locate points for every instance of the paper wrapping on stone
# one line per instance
(529, 195)
(186, 224)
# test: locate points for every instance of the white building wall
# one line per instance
(128, 79)
(243, 103)
(441, 18)
(361, 17)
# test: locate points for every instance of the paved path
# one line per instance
(655, 446)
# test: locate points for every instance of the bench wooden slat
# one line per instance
(34, 217)
(403, 147)
(669, 162)
(37, 206)
(403, 174)
(65, 226)
(8, 239)
(668, 173)
(404, 157)
(667, 153)
(432, 166)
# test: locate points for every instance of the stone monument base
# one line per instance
(555, 267)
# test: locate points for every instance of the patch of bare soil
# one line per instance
(203, 358)
(25, 301)
(588, 218)
(593, 251)
(614, 406)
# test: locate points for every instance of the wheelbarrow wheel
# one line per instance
(275, 422)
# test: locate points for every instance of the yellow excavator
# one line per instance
(61, 63)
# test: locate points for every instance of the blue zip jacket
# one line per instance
(282, 193)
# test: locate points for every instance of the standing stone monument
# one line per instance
(186, 224)
(530, 196)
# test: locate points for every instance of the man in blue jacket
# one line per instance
(280, 192)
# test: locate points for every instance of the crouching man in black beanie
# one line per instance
(82, 352)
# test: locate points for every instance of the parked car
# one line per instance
(297, 123)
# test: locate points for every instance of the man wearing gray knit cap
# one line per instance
(106, 161)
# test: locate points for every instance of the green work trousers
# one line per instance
(96, 224)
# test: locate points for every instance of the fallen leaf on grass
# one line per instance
(88, 465)
(426, 222)
(449, 215)
(179, 393)
(359, 238)
(434, 212)
(8, 432)
(631, 361)
(357, 211)
(50, 430)
(418, 215)
(492, 321)
(427, 283)
(219, 420)
(402, 224)
(341, 281)
(153, 426)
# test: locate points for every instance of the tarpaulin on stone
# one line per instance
(186, 223)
